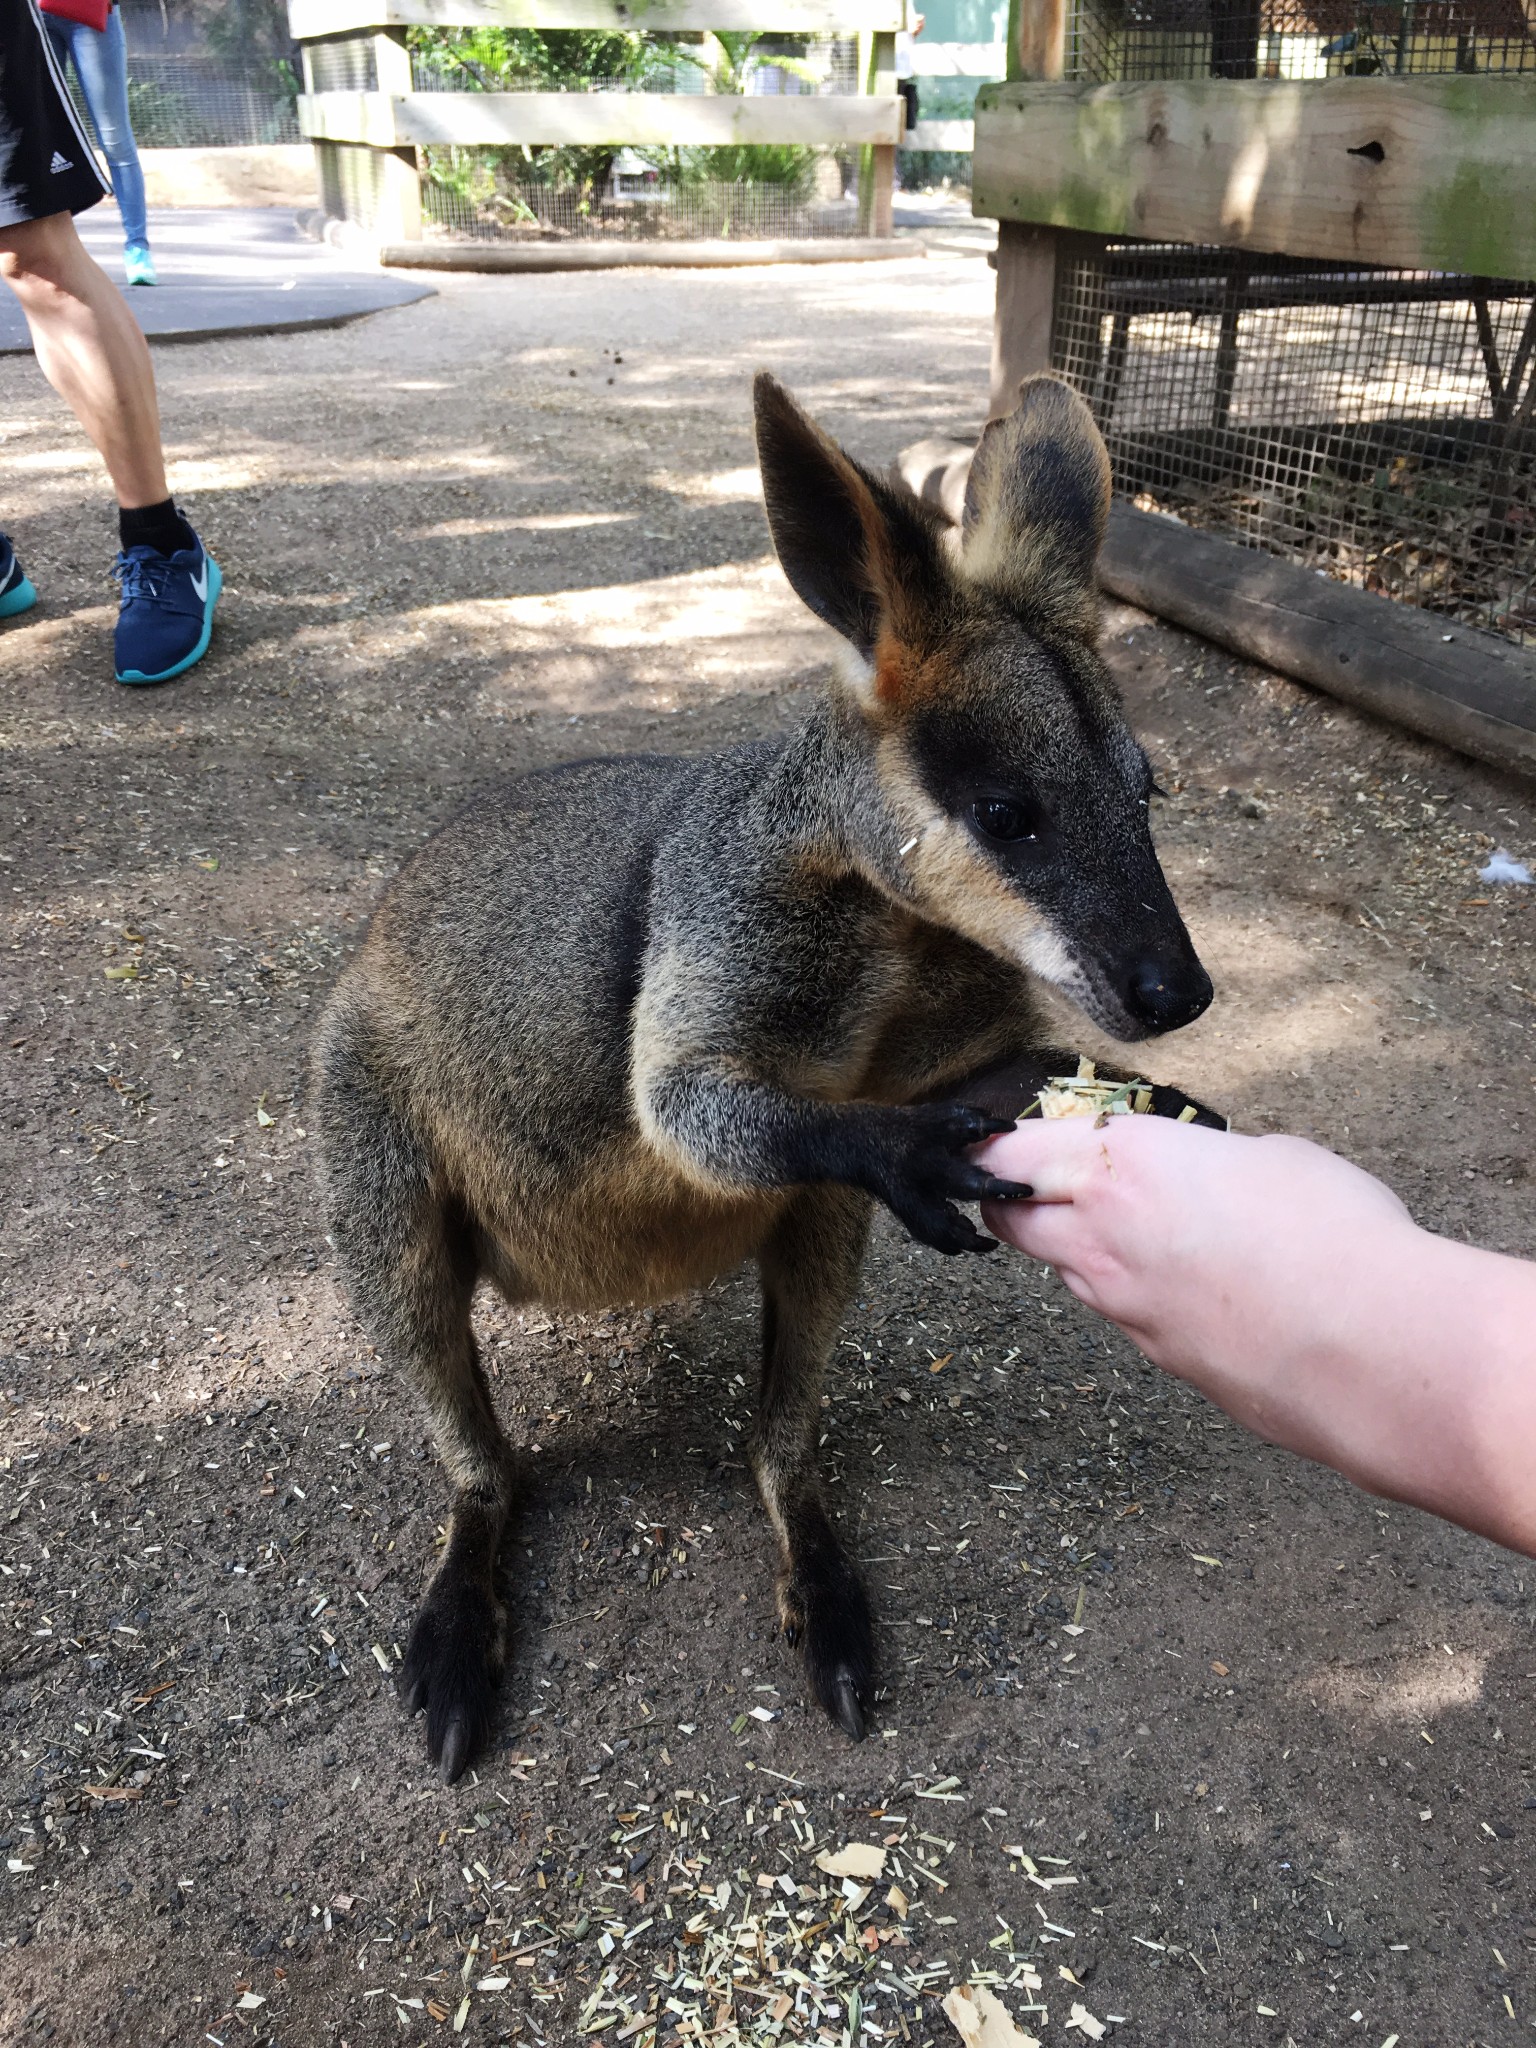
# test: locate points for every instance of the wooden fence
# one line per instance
(388, 121)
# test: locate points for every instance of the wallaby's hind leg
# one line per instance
(810, 1268)
(409, 1256)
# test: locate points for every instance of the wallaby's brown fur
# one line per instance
(622, 1025)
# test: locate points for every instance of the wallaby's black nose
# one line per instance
(1168, 995)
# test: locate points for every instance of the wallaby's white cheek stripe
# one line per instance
(1046, 954)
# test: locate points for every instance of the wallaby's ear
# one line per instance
(1036, 503)
(864, 555)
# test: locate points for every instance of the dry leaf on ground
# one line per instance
(983, 2021)
(858, 1859)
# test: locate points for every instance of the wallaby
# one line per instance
(625, 1023)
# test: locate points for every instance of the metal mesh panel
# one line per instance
(343, 64)
(1145, 39)
(635, 202)
(351, 177)
(1376, 425)
(186, 92)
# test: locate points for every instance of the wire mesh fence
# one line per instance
(1132, 40)
(188, 89)
(1376, 425)
(486, 200)
(533, 194)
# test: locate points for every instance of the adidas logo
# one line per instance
(60, 163)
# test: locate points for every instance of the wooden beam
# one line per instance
(877, 162)
(1467, 689)
(308, 19)
(582, 119)
(1422, 173)
(1023, 313)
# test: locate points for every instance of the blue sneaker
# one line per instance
(16, 593)
(138, 264)
(166, 618)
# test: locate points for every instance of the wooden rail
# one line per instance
(1417, 173)
(636, 120)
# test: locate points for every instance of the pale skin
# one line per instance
(1298, 1294)
(90, 349)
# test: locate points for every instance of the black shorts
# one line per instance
(47, 164)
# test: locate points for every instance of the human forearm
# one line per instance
(1438, 1406)
(1297, 1293)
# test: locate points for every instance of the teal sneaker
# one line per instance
(166, 618)
(139, 265)
(16, 593)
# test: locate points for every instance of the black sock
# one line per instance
(154, 526)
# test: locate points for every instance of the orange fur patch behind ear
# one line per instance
(905, 678)
(893, 671)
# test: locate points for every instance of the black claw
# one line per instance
(458, 1746)
(452, 1666)
(1006, 1191)
(848, 1710)
(792, 1634)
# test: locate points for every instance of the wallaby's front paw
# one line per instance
(1174, 1103)
(824, 1612)
(452, 1668)
(924, 1172)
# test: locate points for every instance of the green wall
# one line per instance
(964, 21)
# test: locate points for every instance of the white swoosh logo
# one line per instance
(201, 586)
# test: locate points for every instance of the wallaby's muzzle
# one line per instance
(1168, 989)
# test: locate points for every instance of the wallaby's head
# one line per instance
(1013, 795)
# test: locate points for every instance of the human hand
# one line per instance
(1298, 1294)
(1227, 1260)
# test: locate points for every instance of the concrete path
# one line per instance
(230, 270)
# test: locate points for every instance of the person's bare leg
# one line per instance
(90, 349)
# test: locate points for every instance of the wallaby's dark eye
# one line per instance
(999, 817)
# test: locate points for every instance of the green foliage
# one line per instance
(787, 168)
(245, 34)
(549, 60)
(165, 119)
(575, 60)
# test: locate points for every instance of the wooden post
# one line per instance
(1026, 299)
(1026, 254)
(877, 161)
(397, 207)
(1030, 263)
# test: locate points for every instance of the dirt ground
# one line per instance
(1216, 1749)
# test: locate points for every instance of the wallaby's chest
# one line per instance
(949, 1008)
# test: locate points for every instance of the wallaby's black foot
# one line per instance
(923, 1172)
(824, 1612)
(453, 1665)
